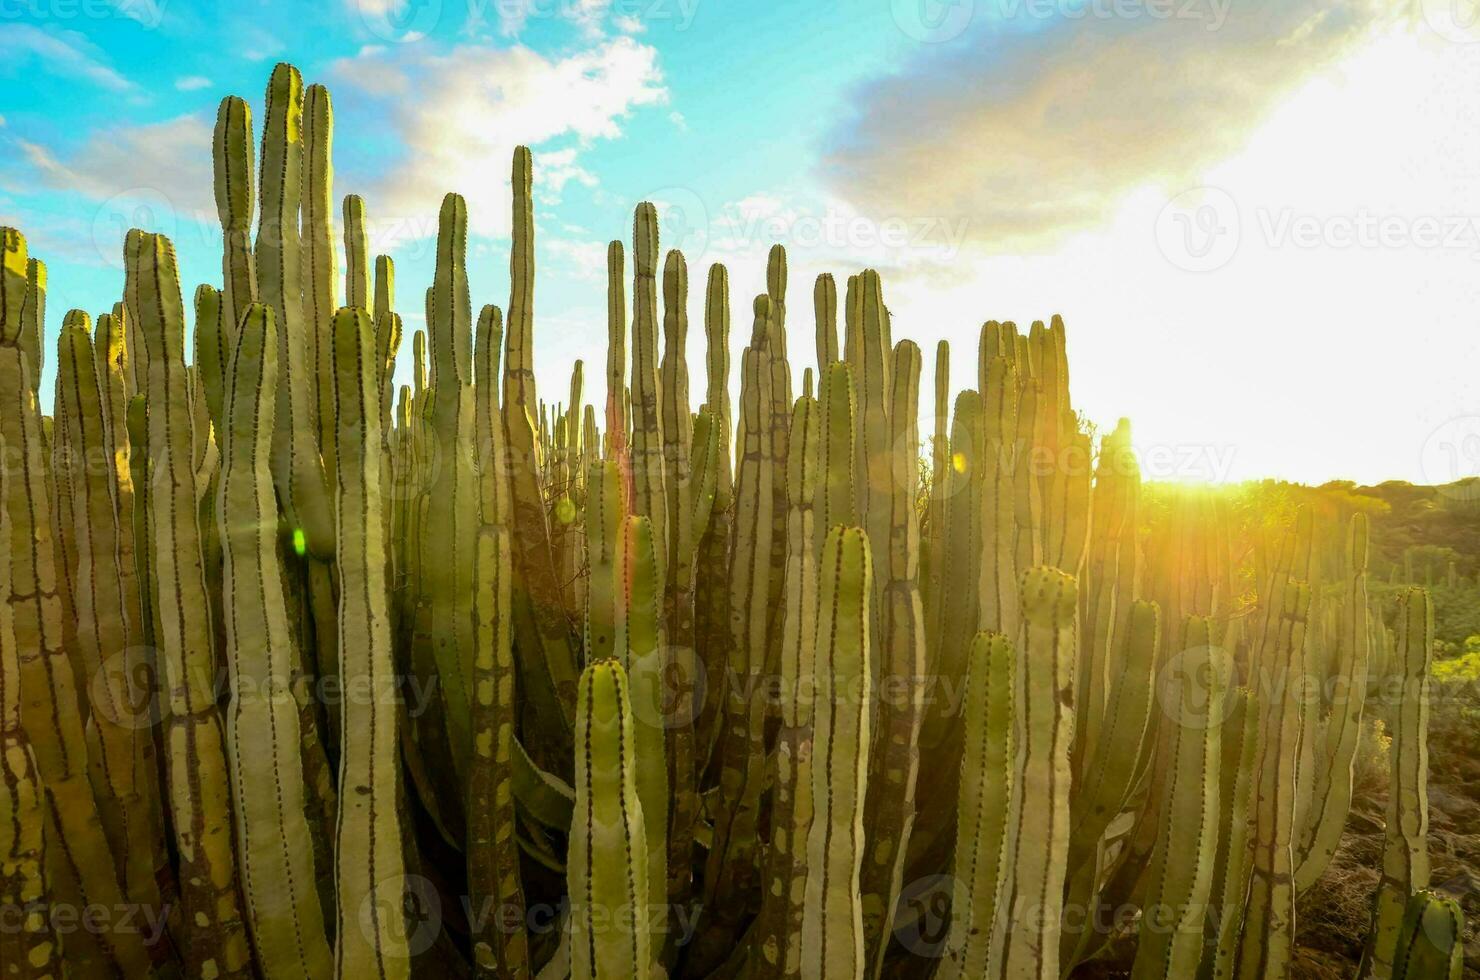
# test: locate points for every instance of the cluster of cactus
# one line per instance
(338, 679)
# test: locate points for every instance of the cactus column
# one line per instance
(832, 914)
(1405, 856)
(262, 726)
(369, 864)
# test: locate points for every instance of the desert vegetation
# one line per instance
(303, 674)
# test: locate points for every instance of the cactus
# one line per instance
(730, 877)
(1238, 775)
(1192, 695)
(1269, 916)
(199, 794)
(493, 854)
(987, 767)
(278, 872)
(832, 938)
(298, 470)
(549, 637)
(895, 760)
(28, 946)
(368, 851)
(640, 651)
(1035, 849)
(1109, 779)
(1432, 940)
(106, 622)
(1331, 793)
(780, 919)
(606, 873)
(1405, 857)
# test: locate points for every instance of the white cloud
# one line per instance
(192, 83)
(1317, 350)
(168, 161)
(258, 45)
(494, 100)
(61, 53)
(1038, 129)
(514, 15)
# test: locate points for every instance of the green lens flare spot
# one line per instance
(565, 510)
(300, 542)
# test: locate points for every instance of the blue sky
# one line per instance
(1236, 204)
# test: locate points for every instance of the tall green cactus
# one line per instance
(606, 873)
(1331, 793)
(298, 469)
(199, 786)
(640, 651)
(81, 865)
(106, 623)
(550, 636)
(262, 725)
(778, 934)
(493, 853)
(730, 879)
(832, 940)
(895, 759)
(1405, 856)
(28, 946)
(1239, 776)
(233, 161)
(987, 772)
(1025, 926)
(369, 863)
(1192, 691)
(1269, 916)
